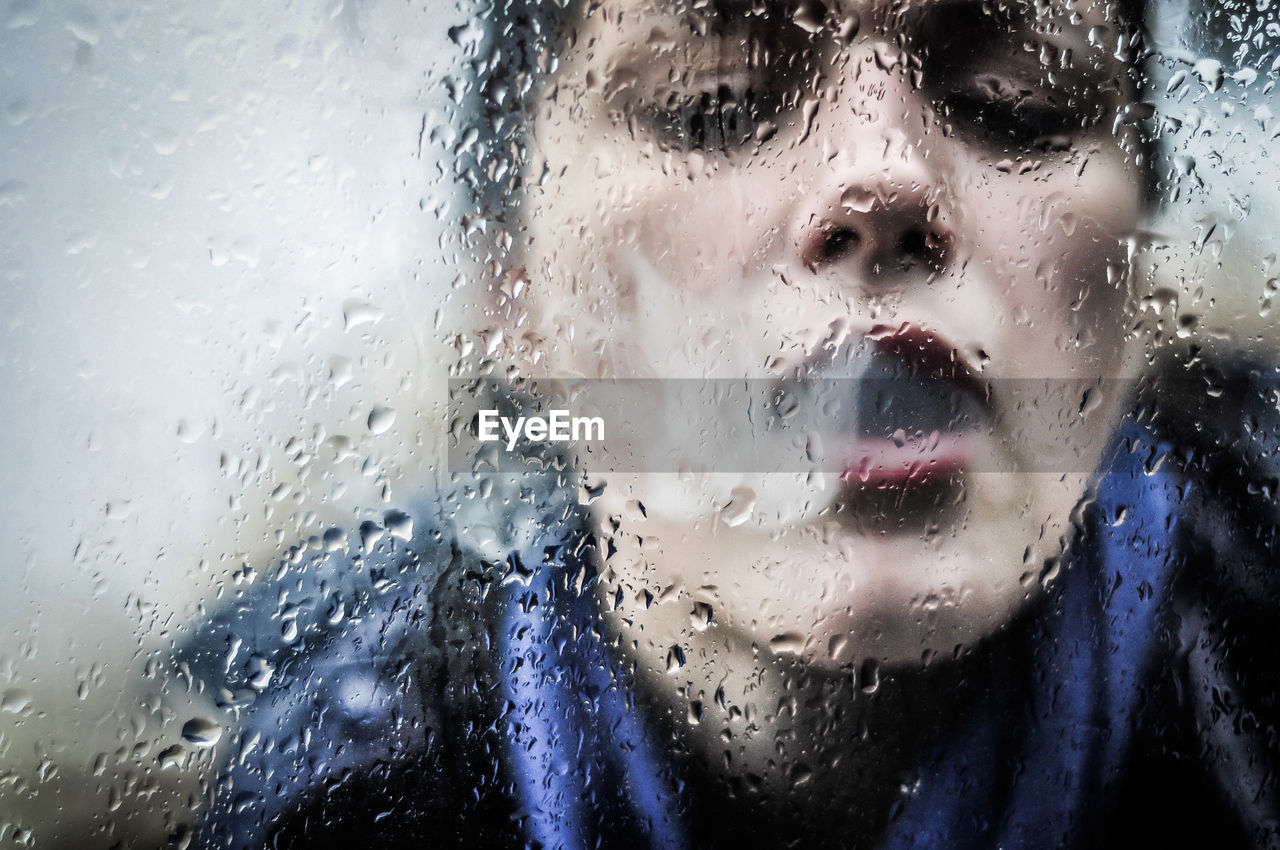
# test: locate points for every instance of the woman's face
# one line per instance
(757, 189)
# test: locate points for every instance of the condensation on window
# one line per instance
(670, 423)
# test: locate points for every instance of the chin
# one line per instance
(835, 598)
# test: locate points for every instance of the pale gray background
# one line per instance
(225, 242)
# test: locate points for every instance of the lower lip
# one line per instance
(908, 462)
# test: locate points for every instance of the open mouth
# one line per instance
(919, 415)
(897, 406)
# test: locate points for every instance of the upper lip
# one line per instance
(924, 350)
(934, 354)
(913, 383)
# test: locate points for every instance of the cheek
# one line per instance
(704, 228)
(1055, 248)
(622, 242)
(699, 221)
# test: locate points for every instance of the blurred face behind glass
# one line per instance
(736, 189)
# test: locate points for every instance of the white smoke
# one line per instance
(728, 457)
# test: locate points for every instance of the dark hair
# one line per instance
(517, 53)
(520, 48)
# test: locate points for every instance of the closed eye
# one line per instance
(717, 92)
(1000, 81)
(1023, 112)
(719, 117)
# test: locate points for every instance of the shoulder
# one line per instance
(368, 586)
(1217, 412)
(1220, 411)
(337, 667)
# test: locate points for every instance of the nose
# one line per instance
(881, 224)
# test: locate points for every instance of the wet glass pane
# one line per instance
(640, 423)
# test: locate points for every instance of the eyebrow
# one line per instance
(1016, 13)
(728, 9)
(680, 7)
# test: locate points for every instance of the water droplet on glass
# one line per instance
(380, 419)
(201, 731)
(15, 701)
(869, 676)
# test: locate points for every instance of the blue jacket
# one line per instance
(456, 688)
